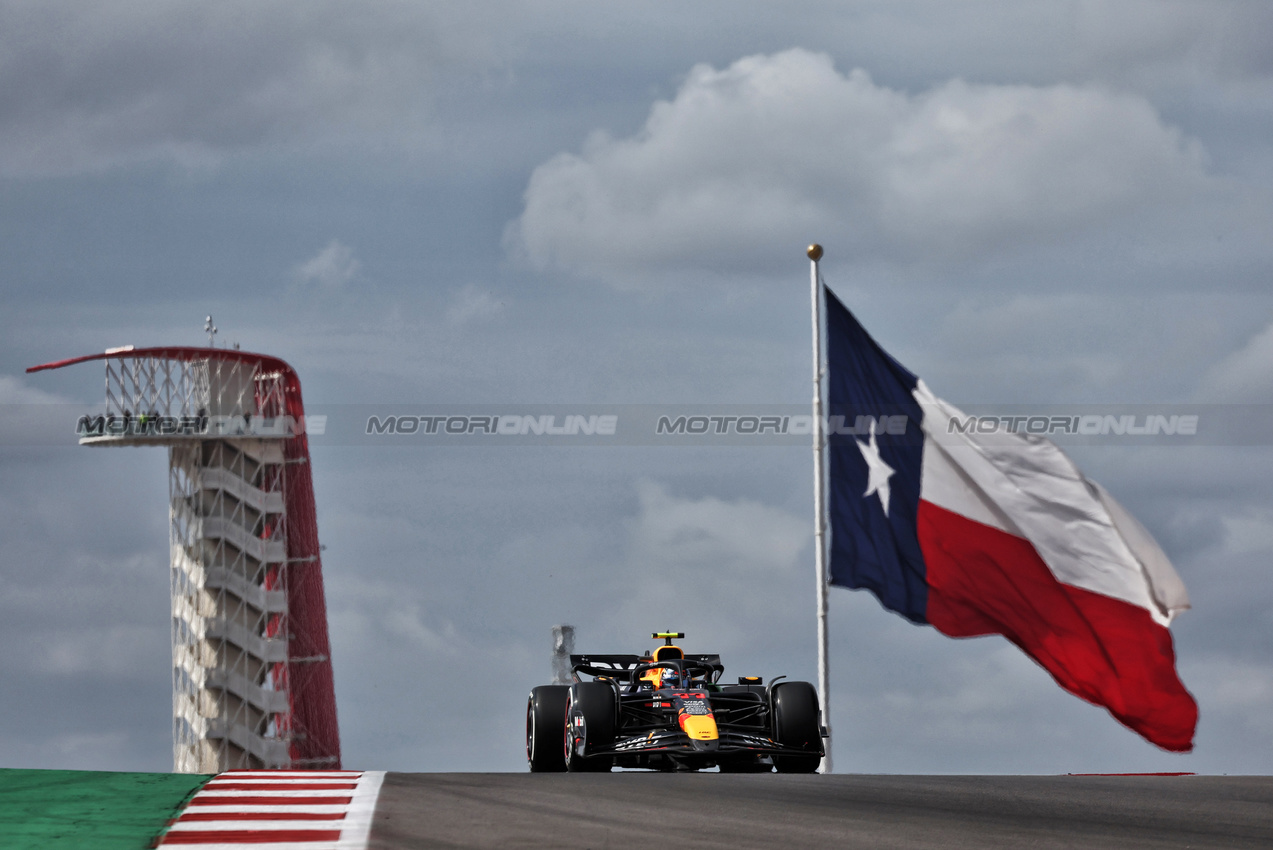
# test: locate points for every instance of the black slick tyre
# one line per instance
(545, 725)
(590, 716)
(797, 726)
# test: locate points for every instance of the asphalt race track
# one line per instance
(418, 810)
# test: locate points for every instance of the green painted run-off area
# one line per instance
(63, 809)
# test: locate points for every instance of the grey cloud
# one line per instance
(1142, 39)
(27, 412)
(15, 391)
(678, 534)
(84, 613)
(87, 87)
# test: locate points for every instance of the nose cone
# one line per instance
(700, 727)
(702, 732)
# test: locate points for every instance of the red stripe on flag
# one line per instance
(248, 836)
(211, 816)
(268, 801)
(985, 581)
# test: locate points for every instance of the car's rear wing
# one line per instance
(620, 667)
(615, 666)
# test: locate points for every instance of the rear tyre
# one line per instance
(545, 716)
(590, 714)
(797, 726)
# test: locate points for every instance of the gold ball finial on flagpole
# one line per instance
(815, 252)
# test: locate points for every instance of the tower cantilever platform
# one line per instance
(252, 680)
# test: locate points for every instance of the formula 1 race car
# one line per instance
(668, 711)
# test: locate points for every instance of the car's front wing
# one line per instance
(674, 741)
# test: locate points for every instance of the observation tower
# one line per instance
(251, 662)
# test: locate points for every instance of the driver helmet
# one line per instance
(674, 678)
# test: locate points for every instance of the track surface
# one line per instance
(421, 810)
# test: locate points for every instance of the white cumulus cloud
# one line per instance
(745, 162)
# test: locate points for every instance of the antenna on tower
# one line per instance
(211, 330)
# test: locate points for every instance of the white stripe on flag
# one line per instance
(1025, 485)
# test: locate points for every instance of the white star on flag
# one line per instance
(878, 472)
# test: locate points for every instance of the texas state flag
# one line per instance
(997, 534)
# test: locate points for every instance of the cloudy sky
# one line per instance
(562, 203)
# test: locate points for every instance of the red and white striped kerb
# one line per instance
(280, 810)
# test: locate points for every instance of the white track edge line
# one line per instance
(361, 809)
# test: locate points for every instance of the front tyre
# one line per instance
(590, 716)
(797, 726)
(545, 712)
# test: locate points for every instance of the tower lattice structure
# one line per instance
(252, 680)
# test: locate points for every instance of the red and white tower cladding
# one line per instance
(252, 677)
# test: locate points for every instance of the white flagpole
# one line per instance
(819, 504)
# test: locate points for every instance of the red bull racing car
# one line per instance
(669, 711)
